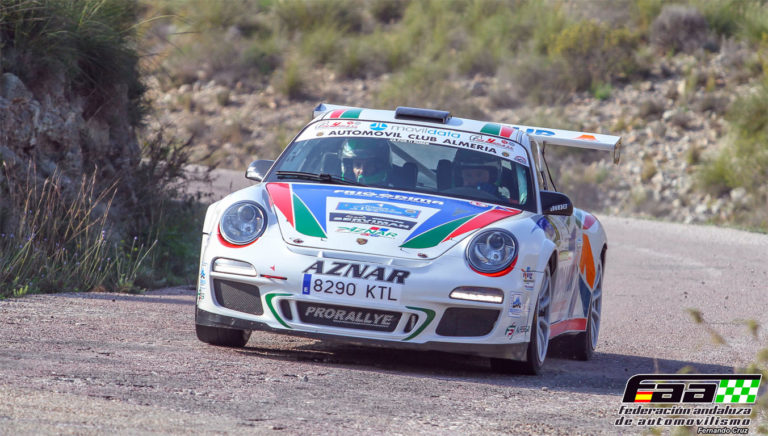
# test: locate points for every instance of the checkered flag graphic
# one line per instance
(737, 391)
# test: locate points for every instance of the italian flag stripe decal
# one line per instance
(481, 220)
(306, 223)
(498, 130)
(506, 131)
(280, 193)
(346, 113)
(491, 129)
(295, 211)
(433, 237)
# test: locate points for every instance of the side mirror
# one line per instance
(556, 203)
(258, 169)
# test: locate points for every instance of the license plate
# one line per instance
(350, 289)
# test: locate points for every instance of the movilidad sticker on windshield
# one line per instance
(388, 209)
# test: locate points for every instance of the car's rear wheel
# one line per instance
(222, 336)
(539, 342)
(584, 344)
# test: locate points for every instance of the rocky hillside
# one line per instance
(668, 123)
(50, 128)
(70, 99)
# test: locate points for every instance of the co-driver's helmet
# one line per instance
(371, 158)
(471, 159)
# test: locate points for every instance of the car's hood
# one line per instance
(377, 221)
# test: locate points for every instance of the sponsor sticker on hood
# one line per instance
(389, 222)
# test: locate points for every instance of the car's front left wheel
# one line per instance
(222, 336)
(539, 342)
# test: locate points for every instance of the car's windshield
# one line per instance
(412, 158)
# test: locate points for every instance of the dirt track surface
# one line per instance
(131, 364)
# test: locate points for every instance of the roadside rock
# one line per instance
(48, 127)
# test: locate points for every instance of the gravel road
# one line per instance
(95, 363)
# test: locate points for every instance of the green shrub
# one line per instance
(388, 11)
(166, 212)
(722, 16)
(486, 47)
(754, 21)
(358, 59)
(262, 56)
(578, 56)
(693, 155)
(296, 16)
(205, 15)
(427, 85)
(716, 175)
(602, 91)
(90, 41)
(743, 161)
(537, 24)
(291, 81)
(648, 170)
(323, 45)
(644, 12)
(650, 108)
(715, 102)
(736, 18)
(679, 28)
(223, 97)
(60, 241)
(594, 53)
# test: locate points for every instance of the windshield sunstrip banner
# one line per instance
(480, 141)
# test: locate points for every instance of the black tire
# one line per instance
(222, 336)
(539, 343)
(587, 342)
(582, 345)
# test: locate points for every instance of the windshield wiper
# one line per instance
(322, 177)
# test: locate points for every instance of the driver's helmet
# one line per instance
(365, 160)
(477, 170)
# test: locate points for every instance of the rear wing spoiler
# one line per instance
(569, 138)
(542, 136)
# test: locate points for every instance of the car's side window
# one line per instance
(522, 184)
(539, 168)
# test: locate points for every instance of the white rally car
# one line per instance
(411, 229)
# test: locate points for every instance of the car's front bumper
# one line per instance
(508, 351)
(423, 316)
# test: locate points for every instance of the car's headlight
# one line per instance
(243, 222)
(492, 251)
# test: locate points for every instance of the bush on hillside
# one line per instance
(90, 41)
(594, 53)
(582, 56)
(743, 161)
(388, 11)
(679, 28)
(425, 86)
(96, 226)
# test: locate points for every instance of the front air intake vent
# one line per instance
(285, 310)
(241, 297)
(457, 321)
